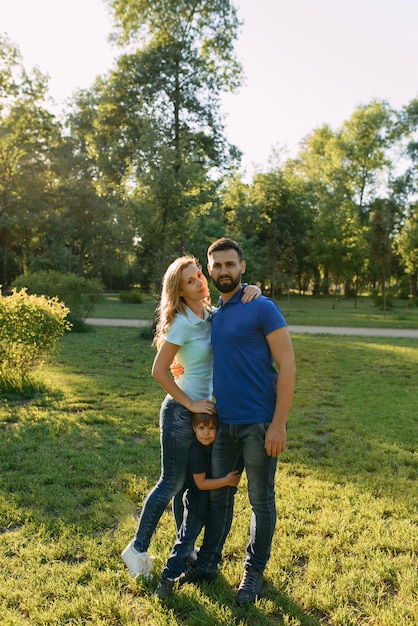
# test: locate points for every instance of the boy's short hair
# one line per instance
(205, 419)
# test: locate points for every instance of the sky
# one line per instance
(306, 62)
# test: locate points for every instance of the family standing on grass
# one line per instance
(228, 353)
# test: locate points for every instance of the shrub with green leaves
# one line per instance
(133, 296)
(30, 326)
(79, 294)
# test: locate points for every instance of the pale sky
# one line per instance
(306, 62)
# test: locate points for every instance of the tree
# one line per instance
(27, 133)
(347, 170)
(279, 198)
(158, 118)
(406, 187)
(319, 165)
(381, 230)
(364, 141)
(408, 246)
(97, 238)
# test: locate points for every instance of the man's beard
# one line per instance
(228, 286)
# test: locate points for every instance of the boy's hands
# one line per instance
(233, 478)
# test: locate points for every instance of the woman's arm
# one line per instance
(251, 292)
(160, 372)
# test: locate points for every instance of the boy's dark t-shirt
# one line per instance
(196, 500)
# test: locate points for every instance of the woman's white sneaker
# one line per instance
(138, 563)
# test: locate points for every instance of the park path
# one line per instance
(315, 330)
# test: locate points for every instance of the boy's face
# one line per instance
(205, 435)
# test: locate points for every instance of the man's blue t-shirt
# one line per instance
(244, 376)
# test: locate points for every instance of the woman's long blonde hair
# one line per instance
(171, 301)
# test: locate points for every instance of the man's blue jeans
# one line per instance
(176, 439)
(239, 447)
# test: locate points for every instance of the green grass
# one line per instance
(112, 307)
(304, 310)
(329, 311)
(77, 462)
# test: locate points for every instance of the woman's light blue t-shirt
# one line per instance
(193, 335)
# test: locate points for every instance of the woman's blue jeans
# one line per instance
(176, 439)
(241, 447)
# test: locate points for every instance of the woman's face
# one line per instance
(194, 286)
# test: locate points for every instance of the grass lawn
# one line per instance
(77, 461)
(322, 311)
(111, 307)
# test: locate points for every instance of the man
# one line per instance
(253, 404)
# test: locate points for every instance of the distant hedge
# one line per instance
(79, 294)
(133, 296)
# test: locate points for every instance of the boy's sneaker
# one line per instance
(137, 562)
(164, 589)
(196, 575)
(250, 586)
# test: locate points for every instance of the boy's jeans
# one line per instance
(182, 549)
(238, 447)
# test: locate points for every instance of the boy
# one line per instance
(196, 500)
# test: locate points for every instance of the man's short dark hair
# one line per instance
(224, 243)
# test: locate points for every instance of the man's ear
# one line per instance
(243, 266)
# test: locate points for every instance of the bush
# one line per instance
(29, 327)
(80, 295)
(378, 299)
(134, 296)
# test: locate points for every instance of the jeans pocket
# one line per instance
(263, 427)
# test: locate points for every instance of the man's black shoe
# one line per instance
(196, 575)
(250, 586)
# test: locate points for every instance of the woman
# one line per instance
(183, 333)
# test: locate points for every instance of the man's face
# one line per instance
(226, 270)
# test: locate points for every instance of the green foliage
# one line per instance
(381, 301)
(133, 296)
(137, 173)
(408, 241)
(159, 119)
(28, 136)
(79, 294)
(29, 328)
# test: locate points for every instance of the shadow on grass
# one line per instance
(71, 468)
(213, 604)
